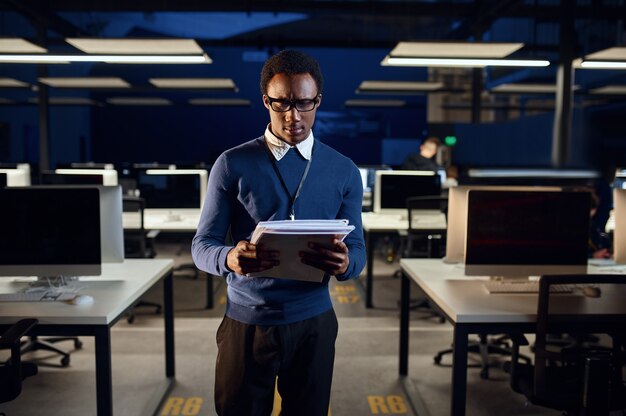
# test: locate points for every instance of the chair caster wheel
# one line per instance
(437, 359)
(78, 344)
(65, 361)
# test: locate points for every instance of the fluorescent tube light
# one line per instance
(85, 82)
(19, 45)
(208, 83)
(11, 83)
(110, 59)
(603, 65)
(136, 46)
(463, 62)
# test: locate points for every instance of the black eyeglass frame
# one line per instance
(293, 103)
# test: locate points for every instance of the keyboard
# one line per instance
(495, 286)
(37, 296)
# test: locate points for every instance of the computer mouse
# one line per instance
(592, 291)
(82, 300)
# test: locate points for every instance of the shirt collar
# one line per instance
(279, 148)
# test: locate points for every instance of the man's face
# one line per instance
(292, 126)
(428, 150)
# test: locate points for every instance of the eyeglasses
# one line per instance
(282, 105)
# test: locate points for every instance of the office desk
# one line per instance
(175, 220)
(163, 219)
(115, 291)
(374, 224)
(471, 310)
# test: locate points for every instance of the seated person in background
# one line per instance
(599, 241)
(452, 177)
(424, 160)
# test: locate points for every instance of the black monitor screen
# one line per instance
(527, 228)
(49, 227)
(169, 190)
(3, 180)
(51, 178)
(396, 188)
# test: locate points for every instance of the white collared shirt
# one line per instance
(279, 148)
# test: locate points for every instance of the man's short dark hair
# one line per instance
(432, 139)
(291, 62)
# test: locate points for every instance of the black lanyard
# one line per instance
(292, 198)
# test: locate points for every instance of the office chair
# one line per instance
(582, 379)
(138, 243)
(14, 371)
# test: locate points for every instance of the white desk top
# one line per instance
(185, 220)
(394, 222)
(465, 300)
(117, 288)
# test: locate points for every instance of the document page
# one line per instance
(289, 238)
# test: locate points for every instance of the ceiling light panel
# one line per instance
(205, 83)
(454, 49)
(461, 62)
(137, 46)
(375, 103)
(610, 54)
(220, 101)
(398, 86)
(18, 45)
(12, 83)
(138, 101)
(65, 101)
(528, 88)
(610, 89)
(85, 82)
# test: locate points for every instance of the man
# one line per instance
(279, 327)
(424, 159)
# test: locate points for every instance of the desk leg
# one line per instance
(104, 385)
(168, 302)
(405, 294)
(459, 371)
(369, 274)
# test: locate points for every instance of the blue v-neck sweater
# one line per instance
(244, 189)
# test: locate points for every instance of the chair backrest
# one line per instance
(13, 371)
(605, 314)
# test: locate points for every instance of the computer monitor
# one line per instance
(457, 215)
(52, 178)
(85, 165)
(111, 219)
(619, 232)
(173, 188)
(516, 234)
(393, 187)
(530, 177)
(109, 176)
(16, 177)
(3, 180)
(50, 232)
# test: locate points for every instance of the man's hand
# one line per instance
(332, 259)
(246, 258)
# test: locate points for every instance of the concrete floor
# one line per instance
(365, 381)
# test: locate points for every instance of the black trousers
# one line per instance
(250, 357)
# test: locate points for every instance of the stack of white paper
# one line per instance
(289, 238)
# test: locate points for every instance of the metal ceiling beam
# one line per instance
(380, 8)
